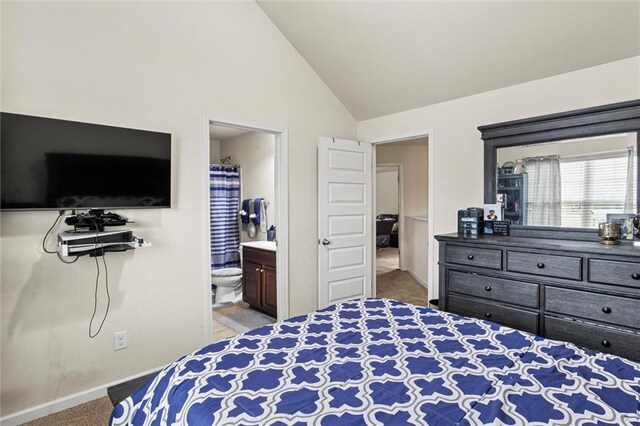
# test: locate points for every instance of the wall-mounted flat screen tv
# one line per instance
(50, 164)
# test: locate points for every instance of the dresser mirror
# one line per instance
(572, 183)
(563, 173)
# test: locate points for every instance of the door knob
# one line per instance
(325, 242)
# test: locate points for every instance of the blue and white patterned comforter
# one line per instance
(383, 362)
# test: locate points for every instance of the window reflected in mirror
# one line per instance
(573, 183)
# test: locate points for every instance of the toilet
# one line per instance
(226, 285)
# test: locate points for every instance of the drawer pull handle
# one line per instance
(635, 276)
(606, 310)
(540, 265)
(488, 315)
(470, 257)
(606, 343)
(488, 288)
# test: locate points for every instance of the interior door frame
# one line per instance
(432, 287)
(281, 134)
(400, 168)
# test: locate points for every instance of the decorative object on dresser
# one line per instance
(470, 221)
(608, 233)
(577, 291)
(259, 279)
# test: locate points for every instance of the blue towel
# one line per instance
(245, 208)
(257, 204)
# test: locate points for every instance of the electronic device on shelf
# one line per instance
(95, 220)
(80, 243)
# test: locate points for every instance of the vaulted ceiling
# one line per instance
(381, 58)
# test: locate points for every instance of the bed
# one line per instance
(383, 362)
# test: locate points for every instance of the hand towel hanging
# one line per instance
(263, 216)
(244, 213)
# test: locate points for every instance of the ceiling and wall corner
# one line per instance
(381, 58)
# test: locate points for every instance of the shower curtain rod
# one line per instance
(226, 165)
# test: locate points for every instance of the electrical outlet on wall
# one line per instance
(120, 340)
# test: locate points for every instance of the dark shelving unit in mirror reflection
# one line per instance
(515, 188)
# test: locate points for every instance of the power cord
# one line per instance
(44, 241)
(106, 273)
(106, 286)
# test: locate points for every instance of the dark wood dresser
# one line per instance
(259, 285)
(578, 291)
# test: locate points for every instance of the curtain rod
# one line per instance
(226, 165)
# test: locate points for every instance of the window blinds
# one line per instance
(593, 186)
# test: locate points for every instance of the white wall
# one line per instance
(457, 147)
(256, 153)
(158, 66)
(214, 152)
(415, 163)
(387, 190)
(417, 248)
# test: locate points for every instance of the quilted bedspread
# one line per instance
(383, 362)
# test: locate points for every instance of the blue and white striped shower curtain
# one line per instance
(224, 201)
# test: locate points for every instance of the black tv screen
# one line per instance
(51, 164)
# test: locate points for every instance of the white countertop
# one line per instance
(264, 245)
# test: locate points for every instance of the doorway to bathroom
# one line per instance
(246, 222)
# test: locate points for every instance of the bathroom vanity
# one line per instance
(259, 280)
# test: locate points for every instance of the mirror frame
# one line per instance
(622, 117)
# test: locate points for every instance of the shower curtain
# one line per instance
(224, 200)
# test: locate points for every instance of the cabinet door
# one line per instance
(251, 283)
(269, 291)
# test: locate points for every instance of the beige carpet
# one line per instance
(392, 283)
(92, 413)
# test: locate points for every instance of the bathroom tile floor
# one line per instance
(232, 319)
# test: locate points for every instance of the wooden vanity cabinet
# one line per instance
(259, 281)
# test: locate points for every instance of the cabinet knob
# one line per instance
(258, 270)
(488, 288)
(470, 257)
(606, 343)
(606, 310)
(540, 265)
(487, 315)
(635, 276)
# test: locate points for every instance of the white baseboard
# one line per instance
(63, 403)
(417, 278)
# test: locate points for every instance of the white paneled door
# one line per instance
(344, 220)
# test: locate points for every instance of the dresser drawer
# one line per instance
(474, 256)
(593, 336)
(613, 272)
(498, 289)
(592, 306)
(549, 265)
(511, 317)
